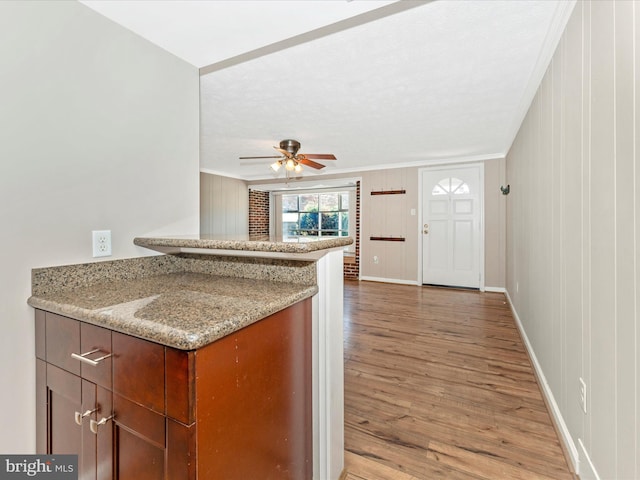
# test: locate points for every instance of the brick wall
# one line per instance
(259, 225)
(258, 212)
(352, 263)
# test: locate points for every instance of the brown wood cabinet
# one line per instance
(237, 408)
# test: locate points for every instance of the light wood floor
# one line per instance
(438, 385)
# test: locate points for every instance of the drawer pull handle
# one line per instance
(80, 416)
(93, 425)
(83, 357)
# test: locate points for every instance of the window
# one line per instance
(318, 214)
(450, 185)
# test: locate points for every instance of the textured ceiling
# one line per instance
(444, 80)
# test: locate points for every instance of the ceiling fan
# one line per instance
(292, 161)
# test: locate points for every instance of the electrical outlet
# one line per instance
(583, 394)
(101, 243)
(375, 259)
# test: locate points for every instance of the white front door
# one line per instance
(451, 242)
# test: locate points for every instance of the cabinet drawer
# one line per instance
(138, 371)
(66, 339)
(96, 339)
(62, 338)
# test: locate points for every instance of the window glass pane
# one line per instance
(326, 233)
(290, 217)
(458, 187)
(309, 202)
(329, 221)
(455, 183)
(290, 229)
(309, 221)
(344, 221)
(344, 201)
(438, 190)
(329, 202)
(289, 203)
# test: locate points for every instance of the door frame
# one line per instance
(452, 166)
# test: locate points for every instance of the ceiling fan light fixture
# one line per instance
(275, 166)
(292, 161)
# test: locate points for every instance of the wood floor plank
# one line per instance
(439, 385)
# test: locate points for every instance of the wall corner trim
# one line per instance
(570, 448)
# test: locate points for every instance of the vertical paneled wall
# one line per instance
(572, 234)
(390, 216)
(224, 205)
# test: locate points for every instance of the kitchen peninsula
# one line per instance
(264, 304)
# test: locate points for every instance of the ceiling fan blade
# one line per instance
(321, 156)
(273, 156)
(310, 163)
(284, 152)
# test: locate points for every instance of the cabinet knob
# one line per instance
(83, 357)
(93, 425)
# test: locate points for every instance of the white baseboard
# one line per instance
(551, 401)
(495, 289)
(587, 470)
(410, 282)
(389, 280)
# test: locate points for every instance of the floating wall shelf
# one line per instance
(388, 192)
(388, 239)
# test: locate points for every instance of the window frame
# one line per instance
(278, 213)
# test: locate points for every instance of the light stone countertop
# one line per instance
(181, 302)
(299, 245)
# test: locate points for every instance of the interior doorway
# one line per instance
(451, 228)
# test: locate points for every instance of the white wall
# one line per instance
(573, 245)
(98, 130)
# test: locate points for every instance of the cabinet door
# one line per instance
(69, 397)
(104, 434)
(139, 442)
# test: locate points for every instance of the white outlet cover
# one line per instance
(583, 394)
(101, 242)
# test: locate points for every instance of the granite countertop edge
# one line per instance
(170, 335)
(245, 245)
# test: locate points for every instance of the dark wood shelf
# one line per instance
(388, 192)
(388, 239)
